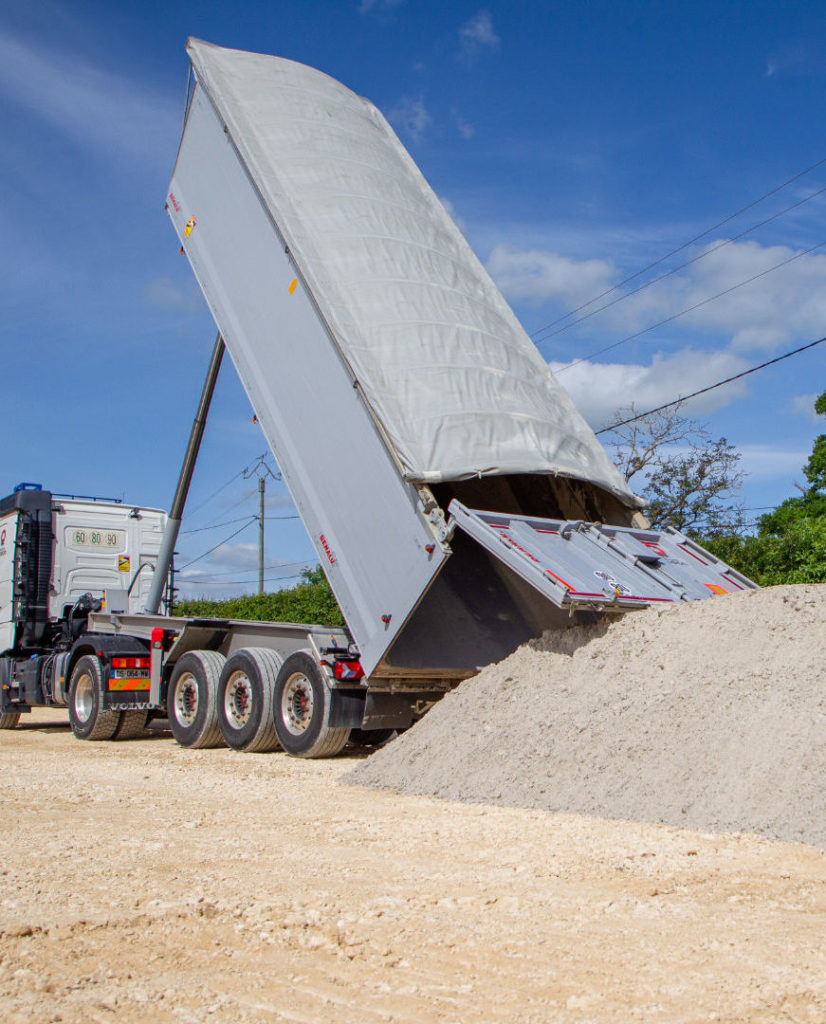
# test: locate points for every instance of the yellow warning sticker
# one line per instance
(715, 589)
(123, 563)
(190, 227)
(293, 285)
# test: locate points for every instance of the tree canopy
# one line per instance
(688, 480)
(790, 545)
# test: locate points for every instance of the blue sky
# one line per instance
(574, 143)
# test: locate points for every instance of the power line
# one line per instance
(216, 526)
(674, 270)
(223, 487)
(685, 245)
(711, 387)
(690, 309)
(214, 494)
(272, 565)
(239, 583)
(249, 522)
(229, 522)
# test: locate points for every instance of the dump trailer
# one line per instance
(458, 502)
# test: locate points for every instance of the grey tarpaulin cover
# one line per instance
(448, 371)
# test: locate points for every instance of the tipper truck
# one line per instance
(458, 502)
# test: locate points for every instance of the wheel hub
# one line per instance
(186, 699)
(238, 700)
(84, 697)
(297, 704)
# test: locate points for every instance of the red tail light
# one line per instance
(130, 662)
(348, 670)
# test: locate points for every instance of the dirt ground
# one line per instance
(143, 882)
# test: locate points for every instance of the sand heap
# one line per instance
(709, 715)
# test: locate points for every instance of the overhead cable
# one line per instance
(249, 522)
(239, 583)
(685, 245)
(690, 309)
(206, 501)
(242, 472)
(711, 387)
(271, 565)
(681, 266)
(216, 526)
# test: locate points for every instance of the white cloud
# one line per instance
(539, 276)
(464, 128)
(792, 59)
(411, 116)
(231, 556)
(763, 462)
(477, 35)
(600, 389)
(804, 405)
(368, 5)
(235, 583)
(280, 502)
(232, 569)
(93, 107)
(783, 306)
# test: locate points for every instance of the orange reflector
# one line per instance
(715, 589)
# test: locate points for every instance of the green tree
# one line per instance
(688, 480)
(790, 545)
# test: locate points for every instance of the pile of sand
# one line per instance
(709, 715)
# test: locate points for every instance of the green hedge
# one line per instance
(311, 601)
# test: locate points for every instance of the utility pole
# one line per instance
(261, 487)
(261, 470)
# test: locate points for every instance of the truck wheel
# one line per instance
(9, 720)
(302, 710)
(89, 718)
(132, 725)
(192, 699)
(245, 695)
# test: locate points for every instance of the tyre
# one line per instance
(245, 695)
(132, 725)
(302, 710)
(90, 720)
(371, 737)
(192, 699)
(9, 720)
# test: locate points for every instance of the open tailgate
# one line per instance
(607, 568)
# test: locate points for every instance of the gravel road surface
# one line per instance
(143, 882)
